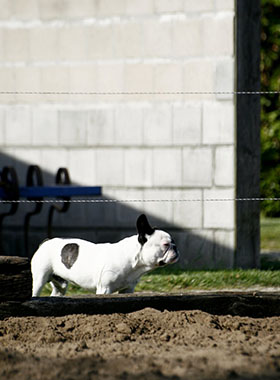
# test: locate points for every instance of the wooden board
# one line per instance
(251, 304)
(15, 278)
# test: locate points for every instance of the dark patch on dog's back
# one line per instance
(69, 254)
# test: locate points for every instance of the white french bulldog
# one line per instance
(104, 268)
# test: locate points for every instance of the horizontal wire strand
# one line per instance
(275, 199)
(116, 93)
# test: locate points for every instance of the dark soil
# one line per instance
(146, 344)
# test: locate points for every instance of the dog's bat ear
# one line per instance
(143, 228)
(143, 225)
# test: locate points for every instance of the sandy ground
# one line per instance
(146, 344)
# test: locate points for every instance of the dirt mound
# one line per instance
(145, 344)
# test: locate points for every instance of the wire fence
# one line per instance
(112, 201)
(128, 93)
(116, 93)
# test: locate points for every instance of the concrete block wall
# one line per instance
(136, 146)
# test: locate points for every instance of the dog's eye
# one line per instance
(166, 245)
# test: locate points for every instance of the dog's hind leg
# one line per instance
(129, 289)
(59, 286)
(39, 280)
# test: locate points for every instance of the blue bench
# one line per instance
(11, 193)
(34, 192)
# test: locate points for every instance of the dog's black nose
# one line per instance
(173, 245)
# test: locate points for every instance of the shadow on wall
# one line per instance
(103, 222)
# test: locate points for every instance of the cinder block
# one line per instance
(55, 78)
(137, 78)
(138, 167)
(167, 167)
(51, 9)
(83, 78)
(129, 125)
(167, 6)
(199, 76)
(196, 249)
(72, 43)
(157, 38)
(186, 124)
(73, 223)
(224, 249)
(53, 159)
(224, 5)
(2, 125)
(44, 43)
(157, 207)
(24, 10)
(15, 44)
(8, 83)
(168, 77)
(127, 213)
(218, 35)
(128, 39)
(18, 128)
(197, 167)
(112, 236)
(6, 10)
(100, 41)
(44, 126)
(72, 127)
(219, 214)
(101, 126)
(199, 5)
(224, 166)
(136, 7)
(110, 167)
(218, 123)
(188, 38)
(110, 78)
(23, 157)
(7, 156)
(158, 125)
(224, 80)
(187, 214)
(99, 215)
(109, 8)
(82, 166)
(2, 53)
(81, 9)
(27, 78)
(70, 9)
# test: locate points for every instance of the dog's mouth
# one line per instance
(170, 257)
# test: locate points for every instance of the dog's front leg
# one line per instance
(103, 290)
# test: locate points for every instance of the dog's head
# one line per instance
(158, 248)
